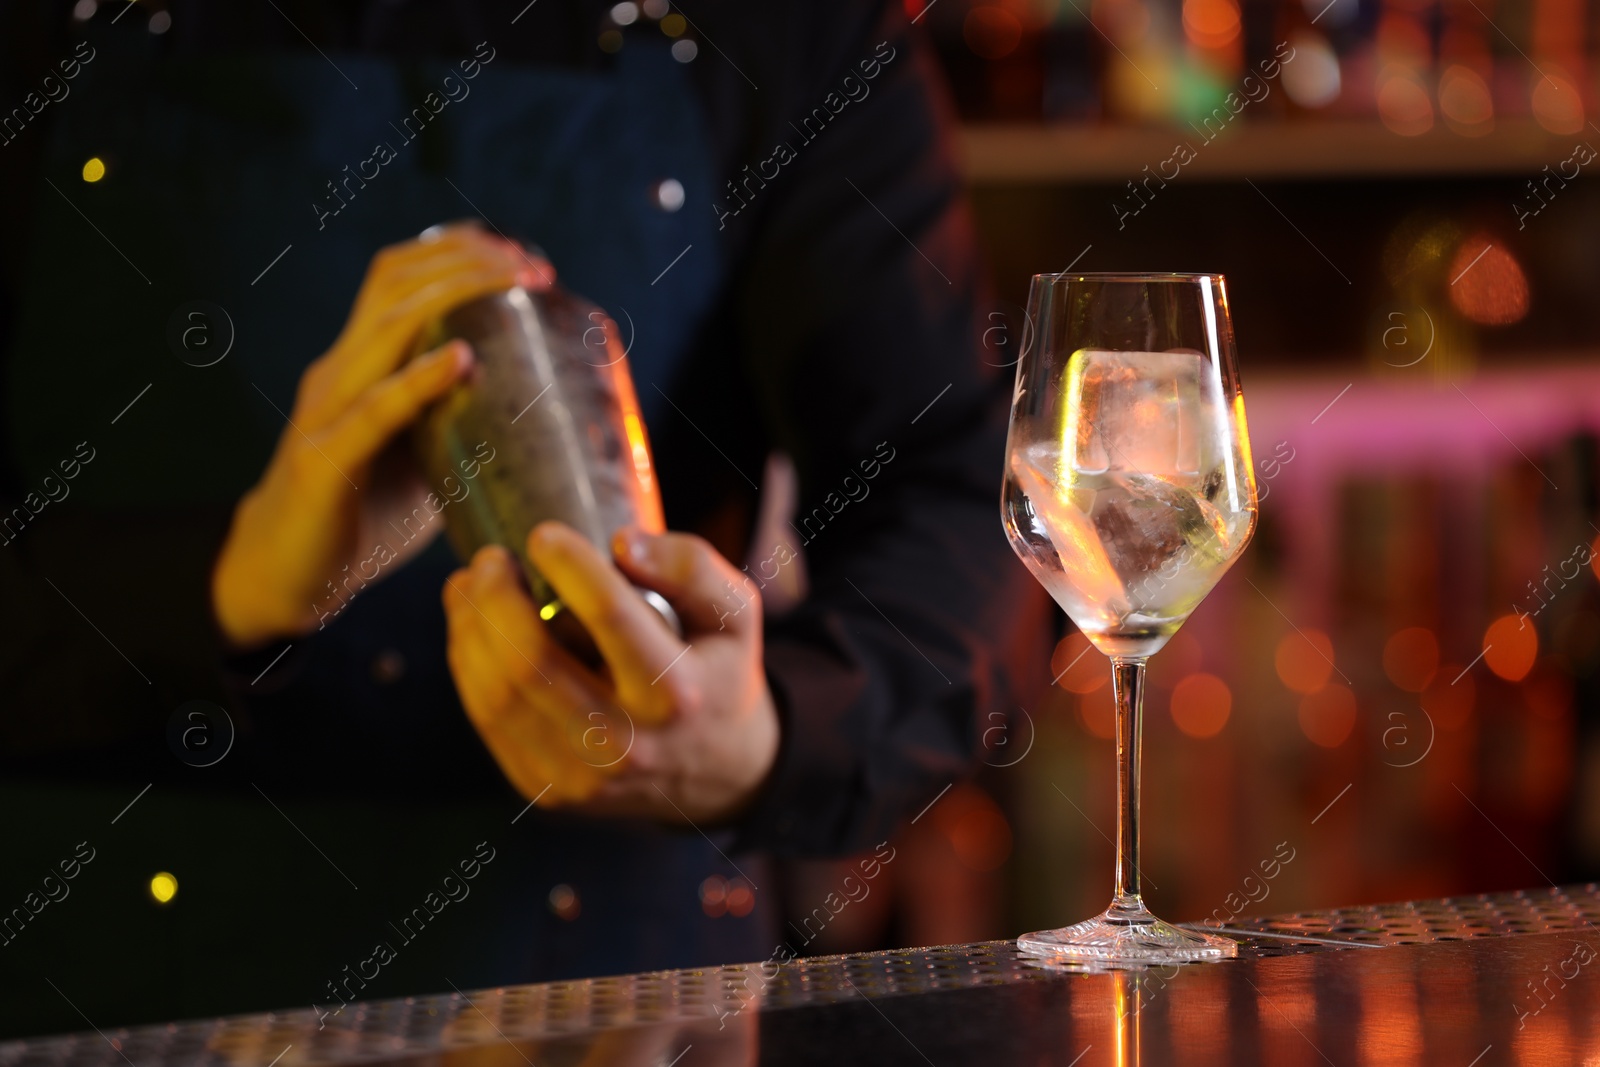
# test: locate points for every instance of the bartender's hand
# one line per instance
(323, 503)
(671, 729)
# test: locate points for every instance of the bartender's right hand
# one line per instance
(322, 502)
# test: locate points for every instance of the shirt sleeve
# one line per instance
(862, 310)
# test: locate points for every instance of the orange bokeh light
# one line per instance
(1211, 23)
(1304, 660)
(1487, 285)
(976, 828)
(1466, 102)
(1201, 704)
(1411, 658)
(1556, 104)
(1510, 647)
(1328, 715)
(1403, 103)
(1449, 698)
(1076, 665)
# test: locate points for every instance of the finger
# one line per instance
(397, 326)
(582, 723)
(522, 741)
(432, 245)
(631, 635)
(704, 588)
(395, 303)
(389, 315)
(543, 669)
(394, 403)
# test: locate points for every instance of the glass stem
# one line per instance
(1127, 681)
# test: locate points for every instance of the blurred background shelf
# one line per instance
(1013, 153)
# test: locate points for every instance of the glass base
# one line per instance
(1127, 933)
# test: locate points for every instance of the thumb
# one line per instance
(706, 590)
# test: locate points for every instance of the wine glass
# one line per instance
(1128, 492)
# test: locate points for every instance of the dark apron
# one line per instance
(218, 190)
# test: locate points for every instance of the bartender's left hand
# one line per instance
(671, 729)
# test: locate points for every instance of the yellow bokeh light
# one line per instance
(674, 25)
(548, 612)
(163, 887)
(94, 170)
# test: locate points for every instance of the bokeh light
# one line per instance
(741, 898)
(1556, 104)
(1488, 285)
(1403, 102)
(1465, 102)
(564, 902)
(1077, 666)
(1312, 79)
(991, 31)
(1328, 715)
(1511, 645)
(1304, 660)
(1211, 23)
(94, 169)
(713, 896)
(1411, 658)
(1450, 697)
(1201, 704)
(163, 887)
(976, 829)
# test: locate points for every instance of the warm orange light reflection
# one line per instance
(1488, 285)
(1390, 1034)
(1200, 705)
(1243, 426)
(1304, 660)
(1410, 658)
(1328, 716)
(1511, 644)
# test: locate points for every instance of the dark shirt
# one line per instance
(838, 320)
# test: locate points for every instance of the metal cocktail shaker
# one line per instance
(550, 393)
